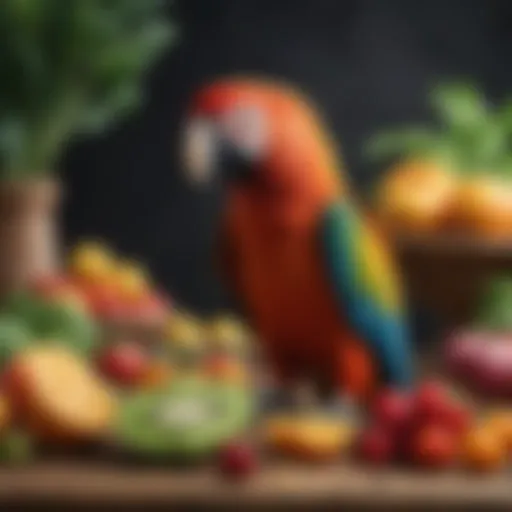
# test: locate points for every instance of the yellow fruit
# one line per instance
(58, 396)
(131, 280)
(227, 333)
(92, 262)
(5, 413)
(312, 439)
(483, 450)
(184, 331)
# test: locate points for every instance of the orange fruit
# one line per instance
(416, 195)
(483, 450)
(501, 423)
(484, 206)
(158, 374)
(226, 369)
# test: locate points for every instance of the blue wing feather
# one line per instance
(361, 290)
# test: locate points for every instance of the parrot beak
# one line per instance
(207, 156)
(227, 149)
(199, 150)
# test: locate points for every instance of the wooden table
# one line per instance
(95, 484)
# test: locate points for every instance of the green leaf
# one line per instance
(129, 57)
(67, 65)
(119, 103)
(402, 142)
(483, 147)
(459, 105)
(505, 114)
(13, 138)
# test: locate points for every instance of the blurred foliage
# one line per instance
(494, 310)
(471, 135)
(70, 66)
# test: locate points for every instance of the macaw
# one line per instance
(313, 275)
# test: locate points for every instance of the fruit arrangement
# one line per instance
(178, 391)
(423, 428)
(187, 393)
(433, 429)
(456, 178)
(428, 428)
(116, 290)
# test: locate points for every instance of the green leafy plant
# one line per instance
(473, 136)
(494, 310)
(70, 67)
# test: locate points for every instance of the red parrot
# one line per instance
(317, 282)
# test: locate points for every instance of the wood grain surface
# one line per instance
(79, 484)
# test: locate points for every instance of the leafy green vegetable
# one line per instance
(70, 67)
(472, 136)
(495, 308)
(394, 143)
(459, 105)
(14, 337)
(50, 321)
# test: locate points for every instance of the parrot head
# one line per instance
(259, 137)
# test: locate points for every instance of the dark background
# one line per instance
(367, 63)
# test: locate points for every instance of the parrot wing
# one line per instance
(367, 290)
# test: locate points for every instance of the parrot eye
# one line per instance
(199, 149)
(245, 127)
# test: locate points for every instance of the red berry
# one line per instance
(376, 446)
(124, 363)
(392, 409)
(150, 308)
(431, 401)
(104, 303)
(458, 417)
(434, 446)
(238, 460)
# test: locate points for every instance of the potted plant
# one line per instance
(69, 67)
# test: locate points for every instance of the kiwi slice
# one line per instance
(190, 419)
